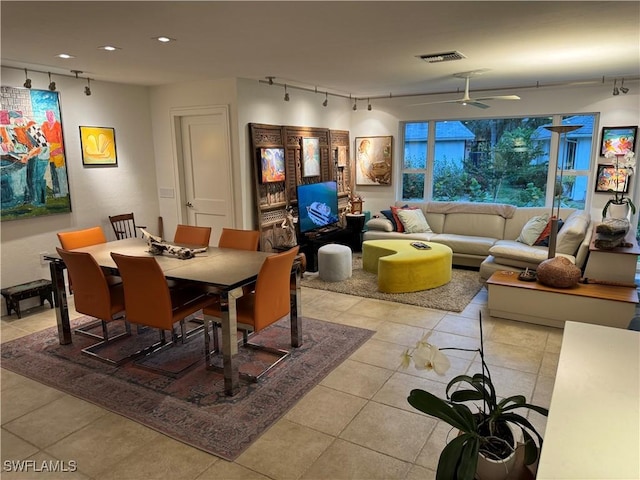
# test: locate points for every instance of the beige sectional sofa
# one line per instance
(484, 234)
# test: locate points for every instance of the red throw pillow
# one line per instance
(394, 211)
(543, 238)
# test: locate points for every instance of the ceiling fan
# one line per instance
(466, 99)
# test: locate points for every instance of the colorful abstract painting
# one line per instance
(33, 162)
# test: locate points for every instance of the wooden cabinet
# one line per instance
(273, 198)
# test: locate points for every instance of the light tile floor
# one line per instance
(356, 424)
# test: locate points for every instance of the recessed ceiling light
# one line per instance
(164, 39)
(64, 55)
(109, 48)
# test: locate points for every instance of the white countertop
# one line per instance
(593, 429)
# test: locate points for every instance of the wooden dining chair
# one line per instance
(192, 235)
(239, 239)
(124, 226)
(150, 302)
(94, 296)
(268, 303)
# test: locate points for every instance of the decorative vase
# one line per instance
(558, 272)
(618, 211)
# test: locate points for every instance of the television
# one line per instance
(317, 205)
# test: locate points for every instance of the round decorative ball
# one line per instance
(558, 272)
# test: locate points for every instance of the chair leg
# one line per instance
(92, 350)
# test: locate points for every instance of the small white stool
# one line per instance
(334, 262)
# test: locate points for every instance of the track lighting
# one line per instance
(87, 89)
(27, 82)
(623, 89)
(286, 94)
(270, 79)
(52, 84)
(326, 100)
(355, 105)
(368, 104)
(615, 87)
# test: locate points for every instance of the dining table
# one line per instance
(220, 271)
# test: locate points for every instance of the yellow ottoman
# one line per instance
(403, 268)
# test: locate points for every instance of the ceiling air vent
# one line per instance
(442, 57)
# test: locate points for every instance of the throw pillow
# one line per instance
(380, 224)
(543, 239)
(389, 215)
(532, 229)
(394, 212)
(413, 221)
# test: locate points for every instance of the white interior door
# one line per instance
(207, 171)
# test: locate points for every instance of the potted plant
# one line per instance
(626, 164)
(489, 431)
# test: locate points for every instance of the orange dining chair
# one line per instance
(84, 238)
(152, 303)
(270, 302)
(192, 235)
(124, 226)
(239, 239)
(95, 297)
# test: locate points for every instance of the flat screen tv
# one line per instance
(317, 205)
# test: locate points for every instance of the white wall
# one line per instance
(96, 193)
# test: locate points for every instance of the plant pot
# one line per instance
(490, 469)
(618, 211)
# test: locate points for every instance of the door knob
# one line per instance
(189, 204)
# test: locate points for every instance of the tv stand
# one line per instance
(311, 242)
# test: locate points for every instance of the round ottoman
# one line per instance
(334, 262)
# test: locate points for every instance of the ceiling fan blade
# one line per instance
(475, 103)
(434, 103)
(499, 97)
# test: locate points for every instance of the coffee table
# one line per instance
(402, 268)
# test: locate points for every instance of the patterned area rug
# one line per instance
(188, 405)
(453, 297)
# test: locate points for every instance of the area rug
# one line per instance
(191, 408)
(453, 297)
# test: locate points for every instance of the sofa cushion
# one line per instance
(543, 239)
(465, 244)
(383, 224)
(518, 254)
(475, 224)
(413, 221)
(573, 232)
(532, 229)
(389, 216)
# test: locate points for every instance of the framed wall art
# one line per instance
(98, 146)
(374, 160)
(34, 162)
(618, 140)
(613, 179)
(272, 165)
(310, 157)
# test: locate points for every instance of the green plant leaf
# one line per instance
(428, 403)
(450, 465)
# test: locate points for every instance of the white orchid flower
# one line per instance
(405, 359)
(610, 154)
(430, 357)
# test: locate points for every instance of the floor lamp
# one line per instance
(553, 235)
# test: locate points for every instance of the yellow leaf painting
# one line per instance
(98, 146)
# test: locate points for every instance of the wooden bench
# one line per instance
(38, 288)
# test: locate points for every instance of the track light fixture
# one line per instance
(270, 79)
(286, 94)
(87, 89)
(326, 100)
(623, 89)
(368, 104)
(355, 104)
(52, 84)
(27, 81)
(615, 87)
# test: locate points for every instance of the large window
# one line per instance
(505, 160)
